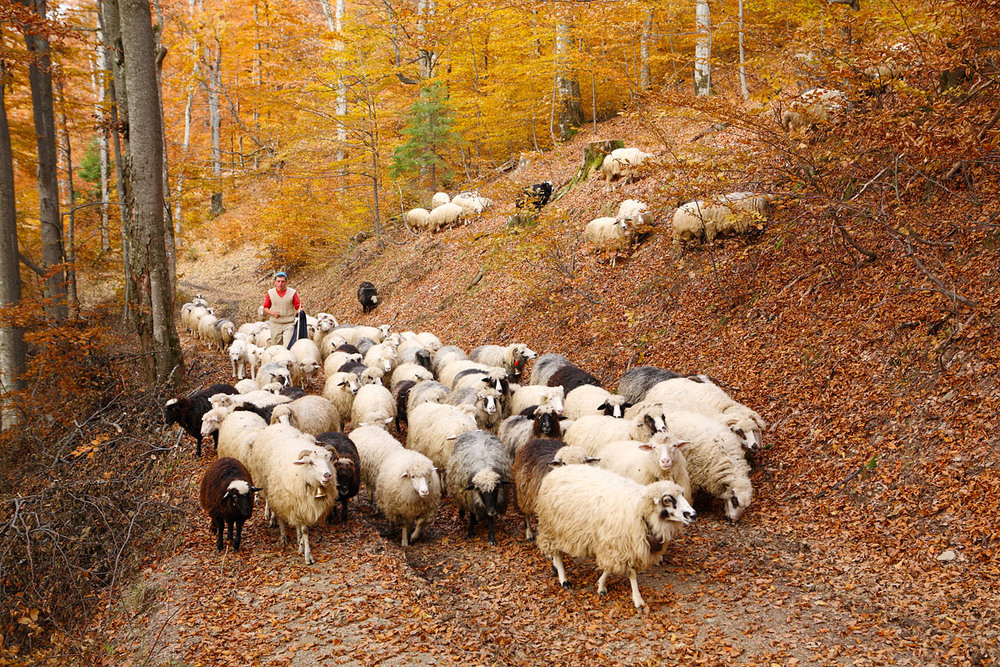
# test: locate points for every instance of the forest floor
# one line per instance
(871, 539)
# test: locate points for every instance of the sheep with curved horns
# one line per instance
(479, 472)
(533, 461)
(226, 495)
(586, 512)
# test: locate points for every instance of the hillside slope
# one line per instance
(867, 542)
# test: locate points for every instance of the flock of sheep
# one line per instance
(609, 476)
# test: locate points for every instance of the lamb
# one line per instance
(226, 495)
(593, 431)
(408, 491)
(237, 355)
(518, 430)
(439, 198)
(367, 297)
(661, 458)
(570, 377)
(637, 381)
(609, 234)
(340, 389)
(534, 196)
(709, 399)
(309, 414)
(487, 401)
(347, 466)
(591, 512)
(374, 444)
(433, 429)
(444, 215)
(546, 365)
(479, 472)
(373, 405)
(414, 372)
(532, 462)
(529, 395)
(307, 361)
(416, 217)
(623, 163)
(591, 400)
(188, 412)
(512, 357)
(299, 481)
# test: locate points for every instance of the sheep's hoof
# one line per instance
(567, 585)
(602, 592)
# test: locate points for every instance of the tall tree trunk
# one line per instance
(703, 50)
(644, 41)
(11, 337)
(567, 105)
(214, 63)
(743, 64)
(100, 92)
(179, 189)
(341, 110)
(153, 301)
(40, 75)
(70, 203)
(425, 11)
(168, 227)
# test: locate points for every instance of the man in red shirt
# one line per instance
(281, 305)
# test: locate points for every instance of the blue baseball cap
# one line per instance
(280, 274)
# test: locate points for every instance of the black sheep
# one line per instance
(402, 393)
(292, 392)
(535, 196)
(346, 464)
(264, 412)
(636, 382)
(188, 412)
(227, 493)
(570, 377)
(367, 296)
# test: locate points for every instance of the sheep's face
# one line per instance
(675, 507)
(210, 422)
(737, 501)
(419, 482)
(238, 499)
(316, 469)
(555, 399)
(654, 421)
(662, 450)
(547, 424)
(488, 401)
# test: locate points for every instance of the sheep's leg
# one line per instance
(557, 563)
(229, 530)
(282, 538)
(239, 536)
(602, 583)
(528, 535)
(343, 513)
(633, 579)
(472, 525)
(298, 537)
(417, 525)
(306, 552)
(406, 540)
(492, 534)
(219, 527)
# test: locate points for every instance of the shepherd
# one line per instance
(282, 305)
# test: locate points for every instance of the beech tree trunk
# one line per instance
(425, 10)
(97, 80)
(743, 65)
(644, 41)
(40, 75)
(70, 204)
(11, 338)
(168, 227)
(153, 298)
(567, 103)
(341, 110)
(214, 63)
(703, 50)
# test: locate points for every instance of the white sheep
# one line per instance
(273, 372)
(307, 361)
(588, 399)
(223, 333)
(446, 374)
(472, 204)
(623, 163)
(206, 328)
(309, 414)
(408, 491)
(635, 212)
(487, 401)
(591, 432)
(662, 458)
(246, 385)
(430, 341)
(340, 389)
(374, 445)
(734, 213)
(590, 512)
(447, 355)
(439, 198)
(433, 429)
(373, 405)
(382, 356)
(612, 234)
(353, 335)
(426, 392)
(536, 459)
(330, 343)
(512, 357)
(712, 400)
(236, 433)
(445, 215)
(261, 398)
(335, 360)
(479, 472)
(299, 480)
(414, 372)
(237, 355)
(525, 396)
(417, 217)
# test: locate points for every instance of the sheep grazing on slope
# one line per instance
(612, 234)
(226, 495)
(736, 213)
(588, 399)
(309, 414)
(187, 412)
(589, 512)
(347, 466)
(531, 395)
(623, 163)
(408, 491)
(374, 405)
(445, 215)
(479, 472)
(512, 357)
(636, 382)
(534, 196)
(636, 213)
(710, 399)
(416, 217)
(518, 430)
(367, 297)
(535, 460)
(815, 106)
(471, 203)
(439, 198)
(545, 366)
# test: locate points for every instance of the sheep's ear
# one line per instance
(603, 406)
(227, 494)
(591, 459)
(404, 475)
(681, 443)
(303, 457)
(256, 489)
(505, 482)
(555, 464)
(171, 402)
(470, 487)
(646, 447)
(627, 405)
